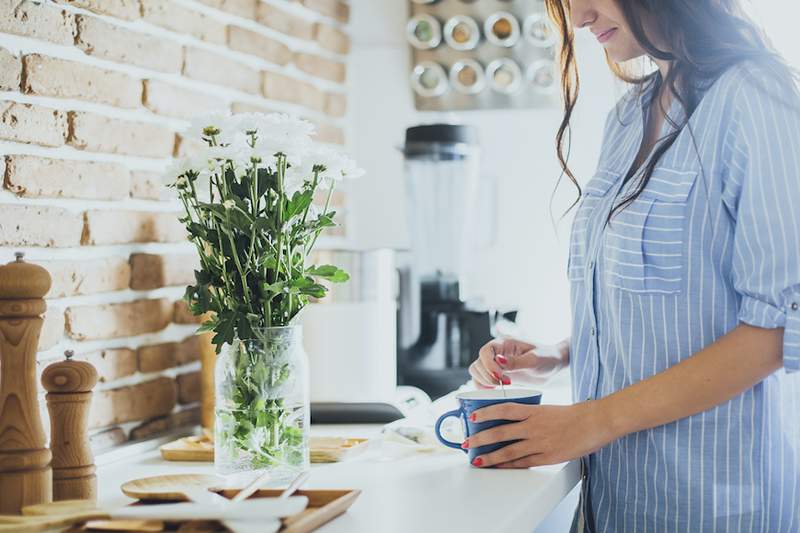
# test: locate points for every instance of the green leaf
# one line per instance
(329, 272)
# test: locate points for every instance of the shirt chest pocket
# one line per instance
(645, 243)
(587, 217)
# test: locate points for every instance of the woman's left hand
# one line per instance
(546, 434)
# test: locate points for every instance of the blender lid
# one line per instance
(440, 140)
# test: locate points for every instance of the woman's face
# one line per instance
(606, 21)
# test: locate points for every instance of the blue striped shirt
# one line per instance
(713, 241)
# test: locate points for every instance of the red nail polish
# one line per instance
(472, 417)
(465, 445)
(506, 380)
(496, 376)
(501, 359)
(477, 461)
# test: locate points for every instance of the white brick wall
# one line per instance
(92, 95)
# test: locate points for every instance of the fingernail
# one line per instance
(506, 380)
(472, 417)
(477, 461)
(501, 360)
(465, 445)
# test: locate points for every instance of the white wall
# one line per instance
(525, 266)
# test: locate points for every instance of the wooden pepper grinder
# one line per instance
(69, 393)
(25, 475)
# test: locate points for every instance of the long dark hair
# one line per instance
(704, 38)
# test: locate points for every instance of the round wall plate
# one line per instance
(502, 29)
(429, 79)
(467, 76)
(504, 75)
(462, 33)
(424, 31)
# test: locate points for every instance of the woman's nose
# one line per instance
(582, 13)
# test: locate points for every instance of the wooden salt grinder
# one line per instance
(69, 393)
(25, 475)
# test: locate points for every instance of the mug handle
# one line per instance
(456, 413)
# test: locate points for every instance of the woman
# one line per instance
(685, 285)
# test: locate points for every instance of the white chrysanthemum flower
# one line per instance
(202, 125)
(229, 204)
(336, 166)
(281, 133)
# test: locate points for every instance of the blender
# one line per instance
(441, 325)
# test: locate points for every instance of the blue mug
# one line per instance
(474, 400)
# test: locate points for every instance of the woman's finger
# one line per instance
(503, 411)
(487, 354)
(480, 376)
(503, 433)
(537, 459)
(507, 454)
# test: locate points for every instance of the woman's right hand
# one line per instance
(500, 359)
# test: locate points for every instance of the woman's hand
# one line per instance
(500, 359)
(547, 434)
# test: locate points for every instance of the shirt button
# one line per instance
(592, 332)
(795, 306)
(591, 264)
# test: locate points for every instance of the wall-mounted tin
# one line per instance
(424, 32)
(429, 79)
(487, 54)
(462, 33)
(539, 31)
(504, 75)
(502, 29)
(467, 77)
(542, 76)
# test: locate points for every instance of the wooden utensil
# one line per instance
(169, 487)
(25, 475)
(69, 384)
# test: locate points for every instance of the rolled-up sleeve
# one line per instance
(762, 191)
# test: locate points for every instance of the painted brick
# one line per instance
(149, 271)
(204, 65)
(108, 321)
(186, 146)
(250, 42)
(336, 104)
(182, 315)
(136, 402)
(186, 417)
(321, 67)
(247, 107)
(92, 276)
(328, 133)
(151, 428)
(287, 89)
(52, 329)
(188, 350)
(107, 439)
(49, 76)
(10, 71)
(39, 225)
(112, 364)
(32, 176)
(96, 133)
(312, 97)
(124, 9)
(37, 20)
(98, 38)
(156, 357)
(32, 124)
(242, 8)
(170, 100)
(332, 38)
(279, 20)
(147, 185)
(121, 227)
(180, 19)
(330, 8)
(188, 387)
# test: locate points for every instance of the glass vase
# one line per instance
(262, 405)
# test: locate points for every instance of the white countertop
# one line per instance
(434, 492)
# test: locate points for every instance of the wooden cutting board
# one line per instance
(323, 449)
